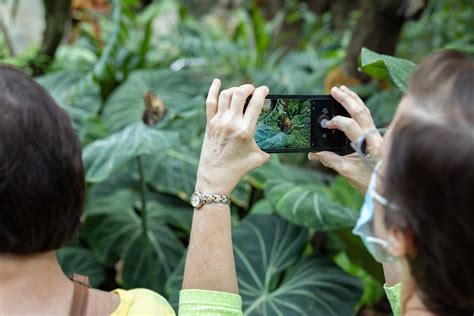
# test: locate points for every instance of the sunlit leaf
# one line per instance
(381, 66)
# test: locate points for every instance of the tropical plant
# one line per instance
(136, 100)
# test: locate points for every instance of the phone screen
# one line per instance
(284, 124)
(293, 123)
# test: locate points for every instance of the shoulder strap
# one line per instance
(80, 295)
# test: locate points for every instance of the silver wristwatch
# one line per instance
(198, 199)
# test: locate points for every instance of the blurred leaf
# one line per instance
(345, 194)
(173, 171)
(126, 104)
(358, 253)
(105, 156)
(149, 251)
(80, 260)
(373, 289)
(172, 210)
(309, 205)
(79, 97)
(381, 66)
(273, 277)
(383, 105)
(276, 170)
(263, 206)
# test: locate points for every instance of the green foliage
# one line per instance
(381, 66)
(105, 156)
(139, 178)
(276, 278)
(75, 259)
(309, 205)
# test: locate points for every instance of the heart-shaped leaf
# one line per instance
(309, 205)
(274, 277)
(381, 66)
(74, 259)
(173, 171)
(105, 156)
(78, 96)
(127, 103)
(148, 249)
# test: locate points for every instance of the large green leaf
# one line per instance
(148, 250)
(309, 205)
(105, 156)
(127, 103)
(275, 279)
(381, 66)
(74, 259)
(79, 97)
(275, 170)
(173, 171)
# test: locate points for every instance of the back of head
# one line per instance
(430, 174)
(41, 172)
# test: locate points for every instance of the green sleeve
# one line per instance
(394, 295)
(200, 302)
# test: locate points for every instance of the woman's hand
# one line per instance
(229, 150)
(360, 122)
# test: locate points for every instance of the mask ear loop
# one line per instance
(357, 146)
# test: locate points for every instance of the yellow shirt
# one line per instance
(142, 302)
(191, 302)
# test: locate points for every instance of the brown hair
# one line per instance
(41, 172)
(430, 174)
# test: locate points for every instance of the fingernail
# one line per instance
(313, 156)
(266, 88)
(215, 80)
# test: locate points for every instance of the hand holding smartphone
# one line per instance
(297, 123)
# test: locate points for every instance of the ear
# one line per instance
(400, 243)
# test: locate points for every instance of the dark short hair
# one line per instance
(430, 174)
(41, 172)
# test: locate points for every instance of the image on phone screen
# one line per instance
(284, 124)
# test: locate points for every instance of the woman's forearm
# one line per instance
(210, 259)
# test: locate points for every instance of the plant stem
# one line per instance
(143, 194)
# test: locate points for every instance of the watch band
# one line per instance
(215, 198)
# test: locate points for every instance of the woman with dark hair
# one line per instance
(42, 194)
(418, 213)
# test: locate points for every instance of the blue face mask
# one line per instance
(365, 224)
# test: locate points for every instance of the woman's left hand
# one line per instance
(229, 150)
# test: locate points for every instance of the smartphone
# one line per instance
(296, 123)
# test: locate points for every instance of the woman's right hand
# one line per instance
(229, 150)
(351, 166)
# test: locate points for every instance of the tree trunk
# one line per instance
(378, 29)
(57, 14)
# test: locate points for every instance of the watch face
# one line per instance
(195, 200)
